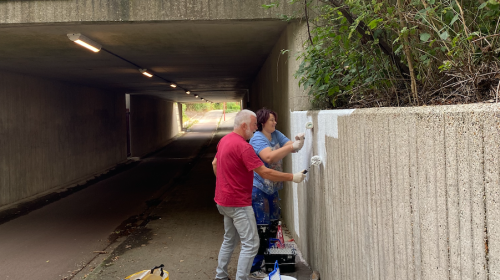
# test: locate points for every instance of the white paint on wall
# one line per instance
(326, 125)
(298, 124)
(327, 121)
(296, 210)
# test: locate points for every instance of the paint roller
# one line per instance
(315, 161)
(309, 125)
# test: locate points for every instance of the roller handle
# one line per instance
(161, 266)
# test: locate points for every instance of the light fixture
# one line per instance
(84, 41)
(202, 98)
(173, 85)
(188, 92)
(145, 73)
(196, 95)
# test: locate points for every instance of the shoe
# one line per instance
(259, 274)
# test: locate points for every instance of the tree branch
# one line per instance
(307, 21)
(406, 45)
(366, 36)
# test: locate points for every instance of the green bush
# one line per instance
(205, 107)
(198, 107)
(185, 118)
(367, 53)
(232, 107)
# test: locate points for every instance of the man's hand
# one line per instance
(299, 142)
(299, 176)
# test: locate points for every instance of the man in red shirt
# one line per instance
(234, 165)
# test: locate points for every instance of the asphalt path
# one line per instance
(59, 239)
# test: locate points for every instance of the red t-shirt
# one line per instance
(236, 161)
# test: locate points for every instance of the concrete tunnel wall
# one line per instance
(53, 135)
(153, 122)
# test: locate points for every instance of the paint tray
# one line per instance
(285, 257)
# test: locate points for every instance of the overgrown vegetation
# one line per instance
(205, 107)
(368, 53)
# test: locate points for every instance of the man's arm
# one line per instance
(214, 165)
(273, 175)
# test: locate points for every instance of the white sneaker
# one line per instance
(259, 274)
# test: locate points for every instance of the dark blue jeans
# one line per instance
(266, 208)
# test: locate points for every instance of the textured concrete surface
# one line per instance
(153, 122)
(54, 134)
(403, 193)
(50, 11)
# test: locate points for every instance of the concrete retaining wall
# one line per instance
(153, 122)
(403, 193)
(51, 11)
(53, 134)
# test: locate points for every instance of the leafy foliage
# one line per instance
(361, 54)
(204, 106)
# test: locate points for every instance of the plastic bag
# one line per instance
(156, 273)
(275, 274)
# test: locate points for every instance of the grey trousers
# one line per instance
(239, 225)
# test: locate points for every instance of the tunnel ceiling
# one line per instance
(216, 60)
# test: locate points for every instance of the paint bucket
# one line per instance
(283, 277)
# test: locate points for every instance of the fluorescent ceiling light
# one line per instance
(173, 85)
(145, 73)
(84, 42)
(202, 98)
(196, 95)
(188, 92)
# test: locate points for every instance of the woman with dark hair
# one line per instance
(271, 146)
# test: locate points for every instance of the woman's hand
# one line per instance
(299, 142)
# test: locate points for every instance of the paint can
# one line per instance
(283, 277)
